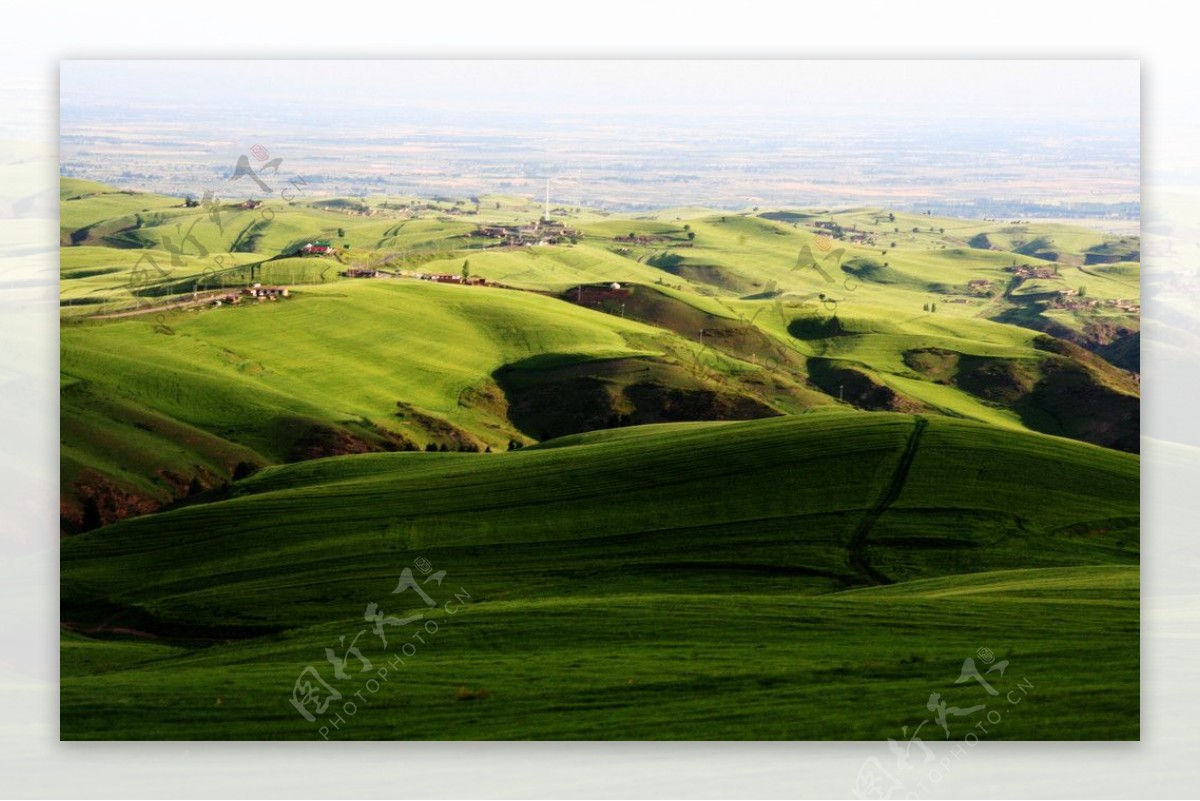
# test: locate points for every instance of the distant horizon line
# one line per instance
(945, 207)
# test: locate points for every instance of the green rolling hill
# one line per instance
(739, 539)
(777, 483)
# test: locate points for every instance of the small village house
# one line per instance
(319, 248)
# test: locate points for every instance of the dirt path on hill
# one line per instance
(858, 540)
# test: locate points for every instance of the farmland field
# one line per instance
(701, 474)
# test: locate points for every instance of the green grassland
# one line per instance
(774, 471)
(159, 400)
(683, 582)
(704, 667)
(751, 300)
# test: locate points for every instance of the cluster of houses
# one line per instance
(542, 232)
(437, 278)
(258, 292)
(1069, 299)
(449, 278)
(639, 239)
(836, 231)
(979, 286)
(1029, 271)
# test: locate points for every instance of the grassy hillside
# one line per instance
(689, 474)
(151, 403)
(703, 541)
(741, 316)
(842, 666)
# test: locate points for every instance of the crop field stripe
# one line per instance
(858, 540)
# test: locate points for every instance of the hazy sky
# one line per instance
(636, 132)
(1083, 91)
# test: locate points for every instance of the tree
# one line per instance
(924, 307)
(891, 217)
(466, 269)
(1082, 291)
(933, 307)
(430, 448)
(341, 233)
(916, 230)
(691, 236)
(687, 227)
(941, 230)
(893, 246)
